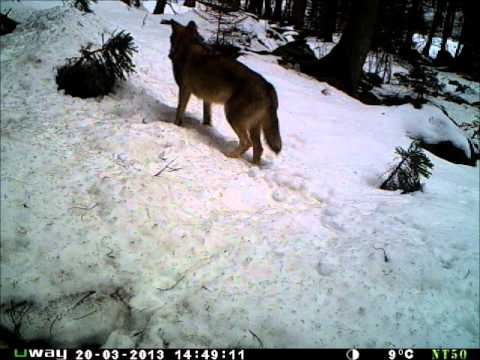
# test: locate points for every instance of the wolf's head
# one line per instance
(182, 38)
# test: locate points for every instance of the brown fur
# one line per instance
(250, 101)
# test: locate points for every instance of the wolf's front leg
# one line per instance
(183, 97)
(207, 113)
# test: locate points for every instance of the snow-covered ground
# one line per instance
(214, 251)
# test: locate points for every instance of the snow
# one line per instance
(214, 250)
(321, 48)
(421, 40)
(170, 9)
(472, 92)
(436, 129)
(249, 32)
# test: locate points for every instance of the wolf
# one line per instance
(250, 102)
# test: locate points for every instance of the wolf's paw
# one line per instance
(257, 162)
(232, 154)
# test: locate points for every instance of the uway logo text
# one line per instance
(41, 353)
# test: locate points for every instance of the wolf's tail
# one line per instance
(270, 126)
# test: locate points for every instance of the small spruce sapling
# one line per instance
(424, 82)
(95, 71)
(406, 174)
(223, 14)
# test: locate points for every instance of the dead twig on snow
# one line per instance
(167, 166)
(84, 316)
(84, 207)
(117, 296)
(385, 257)
(174, 285)
(17, 312)
(90, 293)
(58, 317)
(256, 337)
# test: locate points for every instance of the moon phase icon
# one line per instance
(353, 354)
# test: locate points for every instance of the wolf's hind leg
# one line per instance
(207, 113)
(238, 117)
(183, 97)
(255, 135)
(243, 136)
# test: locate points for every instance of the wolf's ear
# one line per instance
(192, 25)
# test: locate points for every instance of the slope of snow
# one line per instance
(215, 250)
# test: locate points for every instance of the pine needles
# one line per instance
(95, 71)
(115, 55)
(412, 166)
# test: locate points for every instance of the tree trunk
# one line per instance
(268, 9)
(437, 19)
(298, 12)
(259, 7)
(160, 7)
(343, 12)
(448, 23)
(189, 3)
(331, 25)
(314, 19)
(255, 6)
(469, 58)
(277, 12)
(413, 14)
(287, 10)
(342, 67)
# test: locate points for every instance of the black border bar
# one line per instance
(240, 354)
